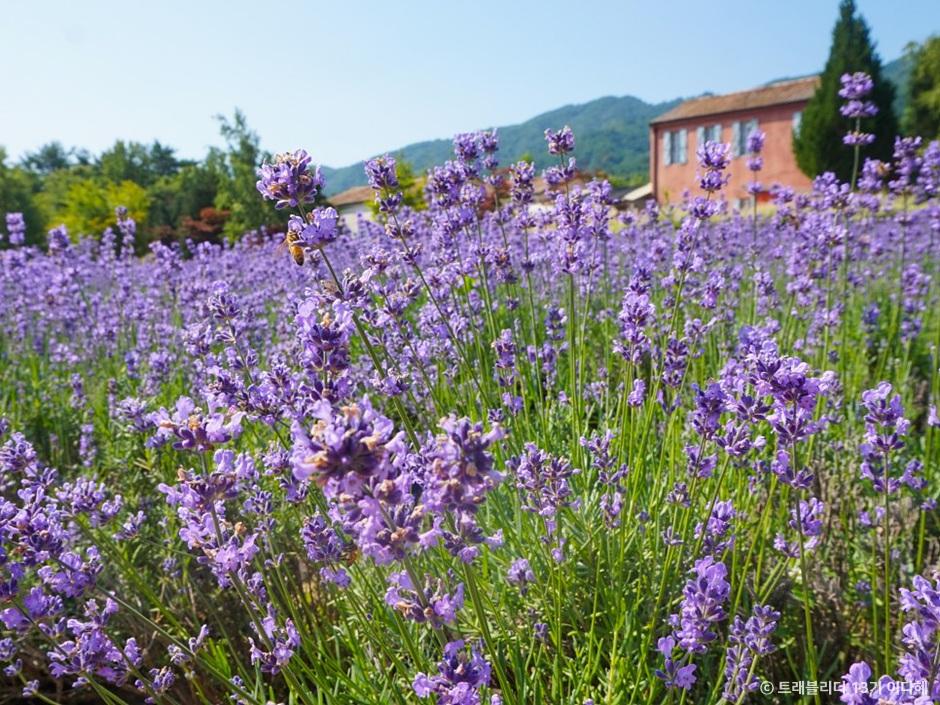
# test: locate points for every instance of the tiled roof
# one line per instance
(351, 196)
(775, 94)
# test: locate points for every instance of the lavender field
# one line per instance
(483, 452)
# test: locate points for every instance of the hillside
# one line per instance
(611, 133)
(899, 73)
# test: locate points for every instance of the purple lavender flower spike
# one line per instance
(288, 180)
(459, 679)
(560, 142)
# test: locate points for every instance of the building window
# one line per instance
(708, 133)
(675, 147)
(739, 134)
(797, 121)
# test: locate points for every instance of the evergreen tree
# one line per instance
(922, 115)
(818, 145)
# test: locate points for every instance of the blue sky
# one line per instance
(349, 79)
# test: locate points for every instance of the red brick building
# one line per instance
(776, 109)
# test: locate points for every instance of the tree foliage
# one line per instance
(170, 198)
(182, 196)
(17, 187)
(238, 166)
(89, 202)
(53, 156)
(922, 114)
(818, 145)
(140, 163)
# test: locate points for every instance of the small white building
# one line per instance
(352, 203)
(637, 198)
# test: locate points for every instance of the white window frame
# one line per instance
(675, 147)
(740, 131)
(683, 146)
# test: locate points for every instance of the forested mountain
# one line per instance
(611, 133)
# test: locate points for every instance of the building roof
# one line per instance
(778, 93)
(644, 191)
(352, 196)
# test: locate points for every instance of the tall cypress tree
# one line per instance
(818, 145)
